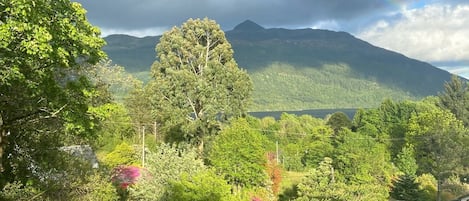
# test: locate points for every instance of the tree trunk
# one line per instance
(2, 134)
(438, 187)
(201, 147)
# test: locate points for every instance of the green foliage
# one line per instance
(303, 140)
(367, 191)
(368, 122)
(303, 69)
(289, 190)
(144, 76)
(301, 90)
(45, 51)
(93, 186)
(286, 86)
(17, 191)
(405, 188)
(138, 107)
(438, 138)
(338, 121)
(360, 160)
(394, 123)
(292, 128)
(406, 162)
(274, 172)
(115, 124)
(318, 146)
(96, 187)
(427, 186)
(239, 153)
(255, 194)
(113, 77)
(320, 183)
(196, 82)
(388, 124)
(453, 188)
(292, 154)
(74, 180)
(456, 99)
(165, 165)
(204, 186)
(323, 183)
(123, 154)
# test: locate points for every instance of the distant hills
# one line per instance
(306, 68)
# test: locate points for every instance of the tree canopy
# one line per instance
(456, 99)
(196, 82)
(239, 153)
(45, 48)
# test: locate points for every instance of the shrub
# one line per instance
(204, 186)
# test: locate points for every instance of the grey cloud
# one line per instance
(142, 14)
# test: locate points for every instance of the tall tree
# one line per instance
(405, 188)
(439, 140)
(239, 153)
(197, 82)
(45, 47)
(456, 99)
(138, 106)
(321, 184)
(360, 161)
(406, 161)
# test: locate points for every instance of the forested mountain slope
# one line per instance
(306, 68)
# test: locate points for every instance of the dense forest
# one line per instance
(186, 135)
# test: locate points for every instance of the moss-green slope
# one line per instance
(281, 86)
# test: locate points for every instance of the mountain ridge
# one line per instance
(248, 25)
(256, 48)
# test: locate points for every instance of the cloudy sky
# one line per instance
(435, 31)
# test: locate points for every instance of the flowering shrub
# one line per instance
(124, 176)
(274, 172)
(164, 166)
(255, 199)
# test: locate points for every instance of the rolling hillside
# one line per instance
(306, 68)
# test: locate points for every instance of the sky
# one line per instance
(434, 31)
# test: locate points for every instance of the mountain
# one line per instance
(306, 68)
(248, 26)
(135, 54)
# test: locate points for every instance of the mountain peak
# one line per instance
(248, 25)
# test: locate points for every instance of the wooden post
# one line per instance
(276, 148)
(143, 146)
(154, 131)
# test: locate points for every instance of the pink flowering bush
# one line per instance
(255, 199)
(123, 176)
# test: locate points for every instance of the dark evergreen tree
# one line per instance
(456, 99)
(405, 188)
(339, 120)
